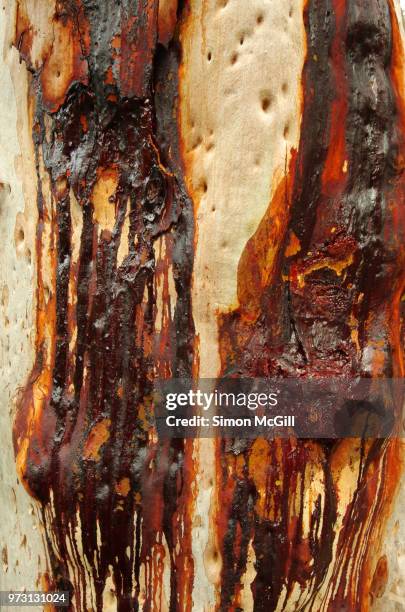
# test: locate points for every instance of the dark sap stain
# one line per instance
(329, 306)
(105, 133)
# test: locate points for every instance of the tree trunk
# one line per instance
(194, 190)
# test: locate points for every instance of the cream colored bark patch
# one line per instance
(103, 198)
(21, 537)
(240, 117)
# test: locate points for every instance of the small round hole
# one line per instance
(209, 56)
(266, 102)
(259, 19)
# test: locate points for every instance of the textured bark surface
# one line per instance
(210, 189)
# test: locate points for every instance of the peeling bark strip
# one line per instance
(115, 249)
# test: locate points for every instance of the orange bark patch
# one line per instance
(293, 246)
(380, 578)
(123, 487)
(104, 190)
(98, 436)
(63, 66)
(167, 20)
(258, 263)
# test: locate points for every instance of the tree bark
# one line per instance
(211, 188)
